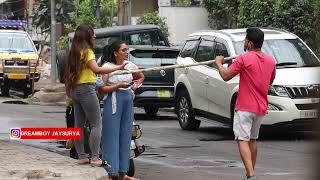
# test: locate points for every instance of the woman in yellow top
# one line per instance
(80, 85)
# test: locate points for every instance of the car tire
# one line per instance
(185, 112)
(5, 90)
(151, 110)
(73, 153)
(27, 90)
(131, 170)
(61, 65)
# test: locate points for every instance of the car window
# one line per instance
(189, 48)
(103, 41)
(146, 38)
(221, 50)
(205, 51)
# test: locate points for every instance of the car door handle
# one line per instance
(186, 70)
(207, 80)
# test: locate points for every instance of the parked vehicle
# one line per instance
(157, 90)
(18, 58)
(133, 34)
(203, 95)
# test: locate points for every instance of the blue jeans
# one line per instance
(116, 131)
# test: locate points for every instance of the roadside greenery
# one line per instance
(71, 14)
(297, 16)
(154, 18)
(183, 2)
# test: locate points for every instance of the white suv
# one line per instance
(201, 93)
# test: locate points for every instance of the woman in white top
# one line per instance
(118, 110)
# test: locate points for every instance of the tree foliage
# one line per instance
(183, 2)
(154, 18)
(41, 17)
(222, 13)
(255, 13)
(298, 16)
(71, 14)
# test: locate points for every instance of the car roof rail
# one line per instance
(215, 31)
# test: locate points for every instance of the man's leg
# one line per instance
(254, 151)
(256, 124)
(242, 130)
(246, 156)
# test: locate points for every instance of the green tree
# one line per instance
(83, 13)
(106, 6)
(297, 16)
(154, 18)
(41, 17)
(222, 13)
(183, 2)
(255, 13)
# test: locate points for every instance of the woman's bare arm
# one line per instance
(92, 64)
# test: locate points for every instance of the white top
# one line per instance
(113, 79)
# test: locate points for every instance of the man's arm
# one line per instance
(224, 73)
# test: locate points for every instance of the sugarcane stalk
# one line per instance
(167, 67)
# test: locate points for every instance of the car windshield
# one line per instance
(154, 57)
(287, 52)
(16, 42)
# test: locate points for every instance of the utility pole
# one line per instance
(30, 7)
(129, 11)
(53, 44)
(97, 7)
(112, 13)
(124, 12)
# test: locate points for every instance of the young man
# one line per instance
(257, 72)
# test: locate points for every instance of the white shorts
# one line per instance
(246, 125)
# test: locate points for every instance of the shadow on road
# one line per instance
(266, 134)
(143, 116)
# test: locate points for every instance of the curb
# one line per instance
(28, 162)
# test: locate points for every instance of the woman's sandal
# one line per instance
(99, 163)
(83, 161)
(113, 177)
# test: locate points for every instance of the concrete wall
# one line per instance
(140, 7)
(183, 21)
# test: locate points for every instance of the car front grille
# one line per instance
(312, 91)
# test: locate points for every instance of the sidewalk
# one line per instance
(20, 161)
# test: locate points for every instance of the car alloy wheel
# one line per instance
(183, 110)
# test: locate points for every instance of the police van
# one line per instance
(18, 58)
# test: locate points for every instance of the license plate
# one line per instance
(17, 76)
(309, 114)
(163, 93)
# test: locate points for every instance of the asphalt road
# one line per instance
(171, 153)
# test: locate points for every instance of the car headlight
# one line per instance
(277, 91)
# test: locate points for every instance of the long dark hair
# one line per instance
(108, 52)
(82, 41)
